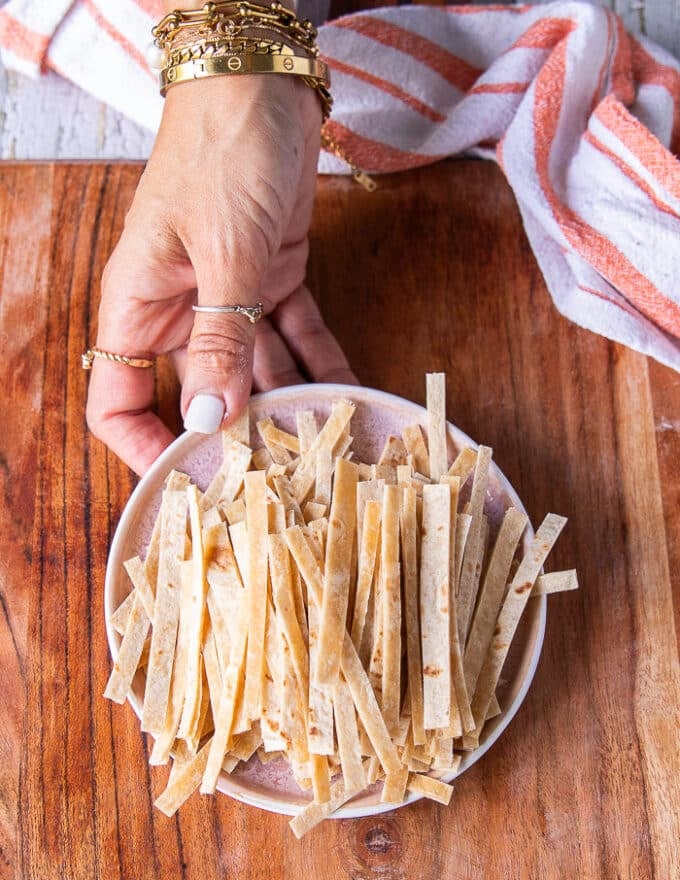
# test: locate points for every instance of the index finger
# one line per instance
(119, 413)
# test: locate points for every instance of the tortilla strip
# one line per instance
(332, 431)
(394, 787)
(137, 574)
(513, 606)
(324, 474)
(555, 582)
(367, 555)
(183, 783)
(491, 596)
(129, 653)
(166, 614)
(409, 553)
(431, 788)
(394, 452)
(256, 530)
(436, 425)
(463, 465)
(434, 606)
(306, 429)
(465, 597)
(237, 459)
(195, 613)
(341, 526)
(415, 446)
(120, 617)
(349, 745)
(279, 454)
(391, 608)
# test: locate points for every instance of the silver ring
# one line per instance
(252, 313)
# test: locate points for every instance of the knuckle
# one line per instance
(218, 351)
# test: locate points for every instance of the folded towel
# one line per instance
(583, 119)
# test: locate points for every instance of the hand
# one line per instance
(220, 217)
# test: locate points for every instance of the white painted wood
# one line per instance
(52, 119)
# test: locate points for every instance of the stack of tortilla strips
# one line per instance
(353, 618)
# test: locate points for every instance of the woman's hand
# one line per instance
(223, 208)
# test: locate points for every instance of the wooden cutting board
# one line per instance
(431, 272)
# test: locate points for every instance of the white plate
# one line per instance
(270, 786)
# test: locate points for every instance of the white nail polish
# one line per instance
(205, 414)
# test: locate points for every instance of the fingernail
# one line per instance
(205, 414)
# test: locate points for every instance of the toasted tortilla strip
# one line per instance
(129, 653)
(266, 429)
(276, 437)
(120, 617)
(409, 552)
(195, 614)
(463, 465)
(166, 613)
(370, 535)
(513, 606)
(466, 596)
(434, 606)
(415, 446)
(332, 431)
(461, 716)
(354, 673)
(491, 595)
(314, 813)
(224, 712)
(324, 474)
(321, 779)
(137, 574)
(431, 788)
(349, 744)
(394, 452)
(257, 531)
(183, 783)
(320, 703)
(436, 425)
(284, 603)
(341, 527)
(306, 429)
(289, 501)
(391, 608)
(165, 739)
(237, 459)
(270, 717)
(394, 787)
(238, 431)
(555, 582)
(313, 510)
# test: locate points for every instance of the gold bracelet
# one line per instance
(312, 71)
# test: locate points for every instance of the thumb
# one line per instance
(219, 370)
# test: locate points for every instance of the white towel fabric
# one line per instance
(583, 119)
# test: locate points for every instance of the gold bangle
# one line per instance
(308, 68)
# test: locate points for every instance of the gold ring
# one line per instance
(88, 357)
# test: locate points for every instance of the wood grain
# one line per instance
(431, 272)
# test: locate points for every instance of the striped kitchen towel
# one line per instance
(583, 119)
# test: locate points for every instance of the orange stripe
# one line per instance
(593, 246)
(387, 87)
(630, 174)
(453, 69)
(648, 71)
(641, 143)
(544, 34)
(128, 47)
(21, 40)
(374, 155)
(622, 83)
(506, 88)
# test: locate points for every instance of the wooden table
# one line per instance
(432, 272)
